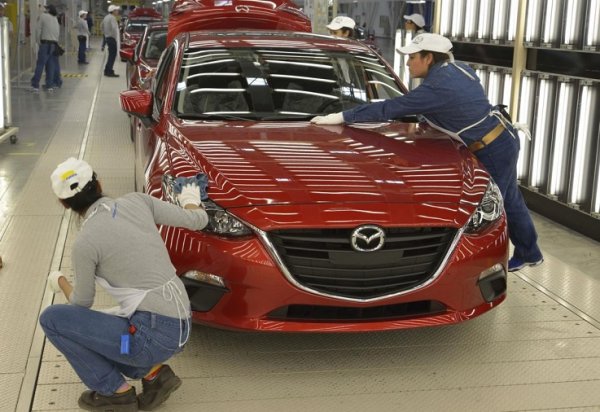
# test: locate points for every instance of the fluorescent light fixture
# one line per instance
(483, 29)
(572, 23)
(494, 89)
(526, 100)
(499, 20)
(458, 21)
(534, 13)
(471, 12)
(513, 16)
(592, 35)
(541, 131)
(446, 17)
(551, 16)
(565, 110)
(596, 204)
(507, 89)
(587, 122)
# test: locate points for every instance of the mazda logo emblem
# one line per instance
(368, 238)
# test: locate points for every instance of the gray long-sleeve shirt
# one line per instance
(82, 28)
(47, 28)
(110, 27)
(123, 246)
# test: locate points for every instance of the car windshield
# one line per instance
(273, 84)
(157, 41)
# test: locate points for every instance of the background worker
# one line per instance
(83, 34)
(342, 26)
(415, 23)
(47, 32)
(451, 99)
(110, 29)
(119, 247)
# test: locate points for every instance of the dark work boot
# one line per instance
(119, 402)
(158, 389)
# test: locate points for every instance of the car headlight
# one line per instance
(488, 211)
(220, 222)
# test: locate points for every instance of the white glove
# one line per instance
(333, 118)
(53, 280)
(190, 194)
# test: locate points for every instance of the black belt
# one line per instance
(47, 41)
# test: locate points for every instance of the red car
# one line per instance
(134, 27)
(314, 228)
(142, 60)
(219, 15)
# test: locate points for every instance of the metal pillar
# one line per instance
(6, 129)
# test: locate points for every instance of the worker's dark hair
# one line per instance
(348, 32)
(84, 199)
(437, 56)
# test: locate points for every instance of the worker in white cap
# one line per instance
(83, 34)
(119, 248)
(452, 99)
(110, 29)
(414, 23)
(342, 26)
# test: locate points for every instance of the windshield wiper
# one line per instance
(215, 116)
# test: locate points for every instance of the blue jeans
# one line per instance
(82, 47)
(47, 60)
(112, 55)
(500, 159)
(91, 342)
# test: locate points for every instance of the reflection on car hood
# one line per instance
(285, 163)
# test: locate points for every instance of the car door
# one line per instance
(148, 136)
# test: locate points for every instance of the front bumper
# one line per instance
(259, 297)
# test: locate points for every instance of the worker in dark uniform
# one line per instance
(451, 99)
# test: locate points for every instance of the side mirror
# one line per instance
(126, 54)
(137, 103)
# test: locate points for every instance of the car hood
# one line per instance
(254, 164)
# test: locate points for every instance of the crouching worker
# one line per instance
(119, 247)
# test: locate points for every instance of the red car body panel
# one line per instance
(217, 15)
(293, 175)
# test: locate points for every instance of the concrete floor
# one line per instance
(539, 350)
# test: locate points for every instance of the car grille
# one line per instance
(313, 313)
(325, 261)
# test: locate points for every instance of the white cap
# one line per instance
(341, 21)
(70, 177)
(82, 12)
(113, 7)
(427, 41)
(417, 19)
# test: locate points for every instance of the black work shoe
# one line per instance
(111, 74)
(119, 402)
(158, 389)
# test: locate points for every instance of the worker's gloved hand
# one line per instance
(190, 195)
(333, 118)
(199, 180)
(53, 280)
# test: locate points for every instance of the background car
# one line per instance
(134, 27)
(236, 14)
(142, 60)
(314, 228)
